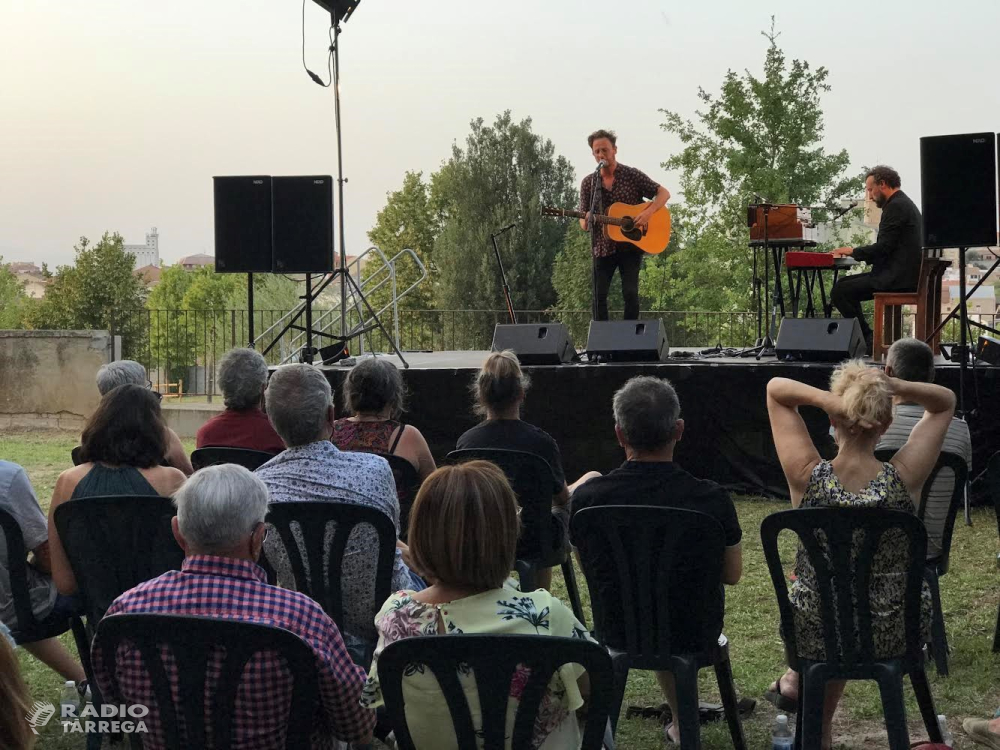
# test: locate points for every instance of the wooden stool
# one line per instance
(927, 300)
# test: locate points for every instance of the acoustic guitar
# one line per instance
(618, 225)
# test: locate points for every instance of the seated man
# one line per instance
(912, 360)
(18, 499)
(125, 371)
(299, 404)
(648, 426)
(220, 527)
(242, 377)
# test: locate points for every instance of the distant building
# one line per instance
(31, 278)
(196, 261)
(148, 254)
(24, 267)
(150, 275)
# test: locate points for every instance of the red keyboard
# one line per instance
(795, 259)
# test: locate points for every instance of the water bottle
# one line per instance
(69, 701)
(782, 737)
(946, 736)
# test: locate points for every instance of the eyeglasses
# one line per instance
(267, 530)
(149, 385)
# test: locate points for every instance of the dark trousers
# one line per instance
(848, 294)
(628, 263)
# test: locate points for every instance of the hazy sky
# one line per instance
(116, 114)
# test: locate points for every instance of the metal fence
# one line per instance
(182, 348)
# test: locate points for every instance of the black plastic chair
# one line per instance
(192, 645)
(667, 567)
(532, 480)
(495, 659)
(938, 566)
(77, 455)
(827, 535)
(993, 479)
(29, 628)
(407, 485)
(210, 456)
(316, 565)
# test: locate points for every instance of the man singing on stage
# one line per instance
(895, 256)
(619, 184)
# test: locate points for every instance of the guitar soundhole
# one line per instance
(630, 230)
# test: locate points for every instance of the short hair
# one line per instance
(865, 392)
(297, 398)
(912, 360)
(609, 134)
(122, 372)
(885, 174)
(126, 429)
(242, 377)
(219, 506)
(499, 384)
(475, 503)
(373, 384)
(646, 411)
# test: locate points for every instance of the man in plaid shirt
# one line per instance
(220, 527)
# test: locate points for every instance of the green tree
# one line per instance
(759, 135)
(171, 341)
(13, 300)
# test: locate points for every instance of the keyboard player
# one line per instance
(895, 256)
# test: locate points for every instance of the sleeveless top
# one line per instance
(886, 490)
(105, 480)
(366, 437)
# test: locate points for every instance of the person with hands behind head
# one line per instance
(859, 405)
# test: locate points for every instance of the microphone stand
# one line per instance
(593, 228)
(503, 276)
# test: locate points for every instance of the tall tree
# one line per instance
(13, 300)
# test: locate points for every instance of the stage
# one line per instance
(726, 436)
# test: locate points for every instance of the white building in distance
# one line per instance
(148, 254)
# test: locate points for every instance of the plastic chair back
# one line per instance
(495, 661)
(407, 485)
(186, 652)
(210, 456)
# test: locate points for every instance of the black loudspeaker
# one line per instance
(958, 190)
(627, 340)
(820, 339)
(302, 224)
(243, 224)
(535, 343)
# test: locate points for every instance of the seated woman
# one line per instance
(122, 446)
(16, 706)
(375, 396)
(467, 569)
(859, 404)
(499, 390)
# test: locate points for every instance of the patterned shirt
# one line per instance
(629, 186)
(321, 472)
(233, 589)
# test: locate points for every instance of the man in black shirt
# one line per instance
(895, 256)
(648, 426)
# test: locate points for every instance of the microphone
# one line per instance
(601, 165)
(843, 211)
(505, 229)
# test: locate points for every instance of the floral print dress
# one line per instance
(500, 611)
(888, 568)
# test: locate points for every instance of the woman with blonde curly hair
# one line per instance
(859, 404)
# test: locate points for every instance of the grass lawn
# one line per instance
(969, 592)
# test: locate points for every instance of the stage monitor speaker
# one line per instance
(820, 339)
(988, 350)
(243, 224)
(958, 190)
(302, 226)
(627, 340)
(535, 343)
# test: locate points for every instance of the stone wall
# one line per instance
(47, 377)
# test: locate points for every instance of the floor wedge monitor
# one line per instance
(535, 343)
(820, 339)
(627, 341)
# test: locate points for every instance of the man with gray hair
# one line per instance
(130, 372)
(299, 403)
(220, 526)
(648, 426)
(912, 360)
(242, 377)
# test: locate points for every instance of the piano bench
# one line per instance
(889, 320)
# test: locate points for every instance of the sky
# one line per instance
(116, 115)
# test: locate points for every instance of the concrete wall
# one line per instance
(47, 377)
(185, 419)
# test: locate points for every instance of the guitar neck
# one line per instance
(599, 218)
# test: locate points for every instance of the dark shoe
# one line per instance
(782, 702)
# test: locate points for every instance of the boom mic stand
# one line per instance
(763, 345)
(503, 275)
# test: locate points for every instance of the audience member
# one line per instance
(242, 377)
(220, 526)
(648, 426)
(17, 497)
(123, 444)
(130, 372)
(375, 396)
(300, 407)
(467, 568)
(912, 360)
(859, 404)
(15, 732)
(498, 391)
